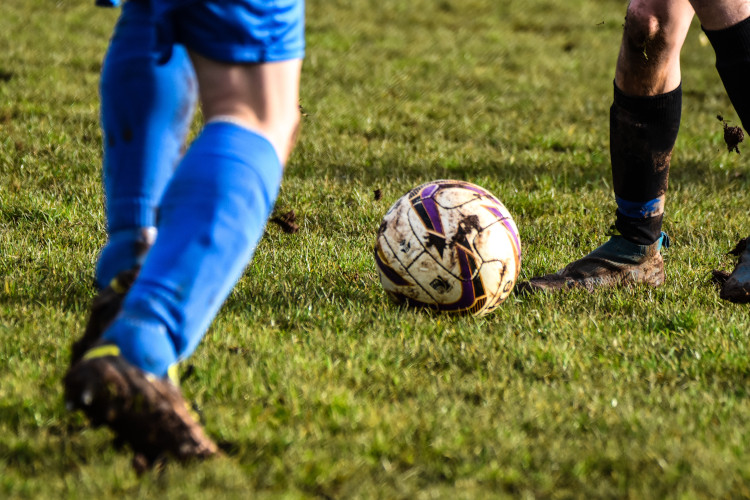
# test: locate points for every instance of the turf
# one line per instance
(314, 384)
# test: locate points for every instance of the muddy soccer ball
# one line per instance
(448, 245)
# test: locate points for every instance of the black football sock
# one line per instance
(643, 130)
(732, 48)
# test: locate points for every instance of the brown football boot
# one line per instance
(617, 262)
(106, 305)
(104, 308)
(146, 412)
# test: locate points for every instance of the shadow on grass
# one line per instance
(414, 174)
(74, 295)
(407, 156)
(695, 172)
(556, 172)
(339, 289)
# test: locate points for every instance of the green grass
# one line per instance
(315, 384)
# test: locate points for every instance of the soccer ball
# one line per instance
(448, 245)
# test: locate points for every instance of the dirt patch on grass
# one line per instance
(286, 221)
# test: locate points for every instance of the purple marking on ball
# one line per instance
(516, 239)
(467, 284)
(431, 207)
(467, 299)
(389, 272)
(429, 190)
(483, 192)
(476, 189)
(497, 213)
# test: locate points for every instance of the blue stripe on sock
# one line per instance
(641, 209)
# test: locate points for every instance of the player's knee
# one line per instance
(644, 36)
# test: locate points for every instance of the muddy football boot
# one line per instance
(617, 262)
(104, 308)
(144, 411)
(737, 286)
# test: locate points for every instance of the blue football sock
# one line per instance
(211, 218)
(146, 111)
(125, 249)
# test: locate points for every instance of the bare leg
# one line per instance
(649, 59)
(262, 97)
(720, 14)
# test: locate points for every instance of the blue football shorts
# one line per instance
(238, 31)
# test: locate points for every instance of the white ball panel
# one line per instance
(456, 246)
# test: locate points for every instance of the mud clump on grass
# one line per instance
(733, 136)
(286, 221)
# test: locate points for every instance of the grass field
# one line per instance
(317, 386)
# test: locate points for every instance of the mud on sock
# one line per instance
(643, 130)
(125, 249)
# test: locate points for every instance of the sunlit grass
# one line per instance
(313, 382)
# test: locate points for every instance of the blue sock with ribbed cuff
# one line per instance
(212, 216)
